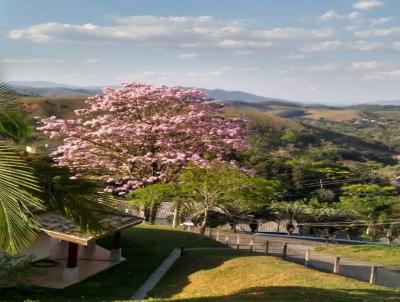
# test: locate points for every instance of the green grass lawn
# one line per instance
(206, 275)
(144, 246)
(389, 255)
(231, 276)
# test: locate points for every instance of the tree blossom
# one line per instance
(140, 134)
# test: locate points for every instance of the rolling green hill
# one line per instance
(316, 124)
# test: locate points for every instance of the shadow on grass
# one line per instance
(300, 294)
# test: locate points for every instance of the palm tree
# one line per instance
(18, 226)
(290, 213)
(22, 193)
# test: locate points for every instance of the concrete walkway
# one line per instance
(164, 267)
(156, 276)
(296, 252)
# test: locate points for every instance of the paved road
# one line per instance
(296, 252)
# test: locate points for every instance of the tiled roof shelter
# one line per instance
(59, 227)
(72, 248)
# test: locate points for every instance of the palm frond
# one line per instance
(13, 126)
(7, 97)
(85, 209)
(18, 226)
(80, 200)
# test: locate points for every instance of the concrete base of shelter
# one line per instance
(115, 254)
(70, 274)
(90, 262)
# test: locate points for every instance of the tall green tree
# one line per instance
(221, 187)
(372, 202)
(150, 198)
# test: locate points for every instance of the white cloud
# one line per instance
(381, 32)
(365, 45)
(191, 55)
(29, 61)
(295, 33)
(325, 67)
(219, 71)
(339, 45)
(386, 75)
(176, 78)
(368, 4)
(92, 61)
(333, 15)
(323, 46)
(380, 21)
(244, 52)
(312, 88)
(365, 65)
(295, 56)
(249, 69)
(244, 44)
(396, 46)
(182, 32)
(352, 27)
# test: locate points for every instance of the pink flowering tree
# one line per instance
(141, 134)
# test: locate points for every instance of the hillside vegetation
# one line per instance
(62, 107)
(315, 163)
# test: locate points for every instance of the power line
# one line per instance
(330, 189)
(354, 223)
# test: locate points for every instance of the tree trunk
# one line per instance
(233, 226)
(146, 213)
(153, 212)
(204, 223)
(175, 221)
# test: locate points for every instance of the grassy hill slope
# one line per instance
(232, 276)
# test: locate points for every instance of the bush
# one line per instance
(15, 270)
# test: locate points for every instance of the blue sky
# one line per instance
(341, 51)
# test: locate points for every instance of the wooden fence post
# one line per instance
(237, 241)
(266, 248)
(226, 238)
(336, 265)
(217, 236)
(284, 252)
(251, 243)
(374, 273)
(209, 232)
(307, 259)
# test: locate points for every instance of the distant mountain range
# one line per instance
(51, 89)
(387, 103)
